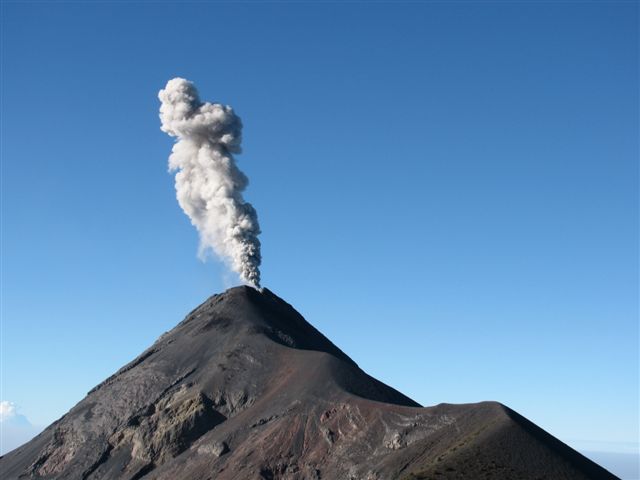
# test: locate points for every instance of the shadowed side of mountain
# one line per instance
(502, 444)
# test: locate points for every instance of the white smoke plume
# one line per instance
(209, 184)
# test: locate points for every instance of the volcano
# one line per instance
(245, 388)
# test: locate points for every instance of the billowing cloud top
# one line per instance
(184, 116)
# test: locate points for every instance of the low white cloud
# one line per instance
(8, 410)
(15, 429)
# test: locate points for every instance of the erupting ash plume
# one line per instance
(209, 184)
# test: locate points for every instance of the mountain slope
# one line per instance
(245, 388)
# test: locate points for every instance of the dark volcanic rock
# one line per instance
(245, 388)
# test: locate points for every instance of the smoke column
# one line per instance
(209, 184)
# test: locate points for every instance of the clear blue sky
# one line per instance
(449, 191)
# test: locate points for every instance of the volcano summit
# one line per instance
(245, 388)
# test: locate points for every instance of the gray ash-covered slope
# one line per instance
(245, 388)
